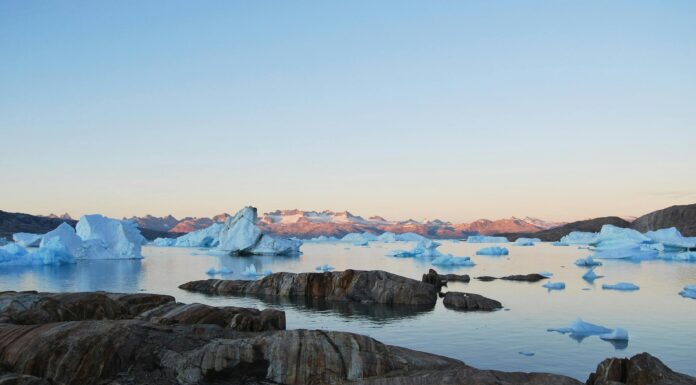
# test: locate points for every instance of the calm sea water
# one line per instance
(658, 320)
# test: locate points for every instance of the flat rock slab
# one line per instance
(373, 286)
(469, 302)
(517, 277)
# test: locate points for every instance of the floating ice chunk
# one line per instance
(527, 241)
(579, 238)
(269, 245)
(546, 274)
(618, 334)
(359, 237)
(425, 248)
(448, 260)
(323, 238)
(587, 262)
(324, 268)
(207, 237)
(250, 271)
(211, 271)
(554, 285)
(493, 251)
(559, 243)
(590, 276)
(240, 235)
(619, 243)
(624, 286)
(164, 242)
(689, 292)
(581, 328)
(689, 256)
(27, 239)
(13, 254)
(526, 353)
(106, 238)
(671, 239)
(486, 239)
(387, 237)
(361, 243)
(221, 270)
(64, 243)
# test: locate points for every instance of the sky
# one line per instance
(456, 110)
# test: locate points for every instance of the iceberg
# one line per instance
(493, 251)
(618, 334)
(579, 238)
(671, 240)
(623, 286)
(324, 268)
(526, 241)
(250, 271)
(164, 242)
(486, 239)
(27, 239)
(410, 237)
(425, 248)
(546, 274)
(689, 256)
(323, 238)
(63, 243)
(3, 241)
(689, 292)
(387, 237)
(590, 276)
(361, 243)
(207, 237)
(581, 328)
(359, 237)
(221, 270)
(554, 285)
(448, 260)
(614, 242)
(106, 238)
(587, 262)
(241, 236)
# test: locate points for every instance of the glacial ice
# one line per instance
(546, 274)
(207, 237)
(250, 271)
(410, 237)
(579, 238)
(526, 241)
(324, 268)
(486, 239)
(688, 256)
(618, 334)
(361, 243)
(359, 237)
(590, 276)
(554, 285)
(221, 270)
(580, 328)
(164, 242)
(323, 238)
(240, 235)
(425, 248)
(671, 239)
(493, 251)
(614, 242)
(689, 292)
(623, 286)
(64, 244)
(448, 260)
(587, 262)
(27, 239)
(387, 237)
(106, 238)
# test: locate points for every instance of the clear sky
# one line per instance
(450, 109)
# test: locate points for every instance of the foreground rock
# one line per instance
(374, 286)
(518, 277)
(641, 369)
(440, 280)
(470, 302)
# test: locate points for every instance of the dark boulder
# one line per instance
(641, 369)
(470, 302)
(433, 278)
(518, 277)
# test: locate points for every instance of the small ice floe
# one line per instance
(579, 238)
(526, 241)
(448, 260)
(221, 270)
(324, 268)
(618, 334)
(587, 262)
(559, 243)
(364, 242)
(546, 274)
(526, 353)
(425, 248)
(486, 239)
(493, 251)
(590, 276)
(554, 285)
(689, 292)
(580, 330)
(623, 286)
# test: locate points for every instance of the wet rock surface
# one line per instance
(517, 277)
(641, 369)
(374, 286)
(469, 302)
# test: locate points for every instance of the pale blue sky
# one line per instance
(458, 110)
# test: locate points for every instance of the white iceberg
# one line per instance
(688, 256)
(410, 237)
(63, 243)
(620, 243)
(221, 270)
(448, 260)
(324, 268)
(241, 236)
(361, 243)
(671, 240)
(106, 238)
(546, 274)
(387, 237)
(590, 276)
(527, 241)
(623, 286)
(359, 237)
(425, 248)
(618, 334)
(323, 238)
(27, 239)
(581, 328)
(554, 285)
(486, 239)
(493, 251)
(164, 242)
(587, 262)
(689, 292)
(579, 238)
(206, 237)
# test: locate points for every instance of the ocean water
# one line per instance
(658, 320)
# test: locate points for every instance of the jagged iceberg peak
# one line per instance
(106, 238)
(240, 235)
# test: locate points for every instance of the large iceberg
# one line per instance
(106, 238)
(614, 242)
(493, 251)
(241, 236)
(578, 238)
(486, 239)
(206, 237)
(13, 254)
(526, 241)
(63, 243)
(671, 240)
(164, 242)
(623, 286)
(27, 239)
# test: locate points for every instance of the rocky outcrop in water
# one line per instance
(237, 318)
(374, 286)
(517, 277)
(682, 217)
(641, 369)
(469, 302)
